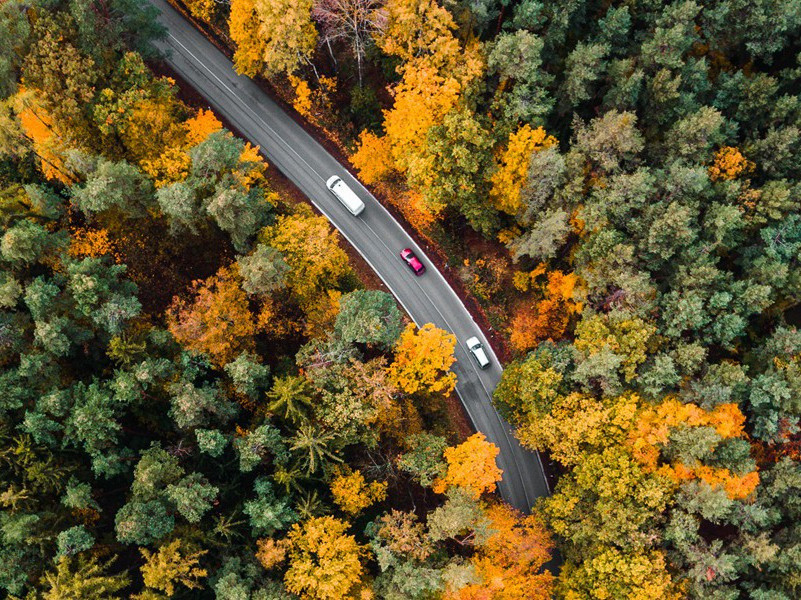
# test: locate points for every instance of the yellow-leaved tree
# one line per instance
(353, 494)
(471, 466)
(435, 70)
(512, 171)
(423, 360)
(271, 36)
(324, 560)
(311, 248)
(170, 566)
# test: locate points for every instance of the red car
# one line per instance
(414, 263)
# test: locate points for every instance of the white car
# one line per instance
(477, 350)
(345, 195)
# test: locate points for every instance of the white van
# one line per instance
(477, 350)
(345, 195)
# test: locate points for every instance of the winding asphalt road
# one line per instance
(375, 234)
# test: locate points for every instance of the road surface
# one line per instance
(374, 234)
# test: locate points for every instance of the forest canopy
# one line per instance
(200, 397)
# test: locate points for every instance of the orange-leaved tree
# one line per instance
(548, 318)
(471, 466)
(423, 360)
(729, 164)
(373, 157)
(653, 429)
(215, 319)
(509, 561)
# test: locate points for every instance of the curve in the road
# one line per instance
(374, 234)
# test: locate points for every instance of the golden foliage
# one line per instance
(90, 242)
(471, 466)
(353, 494)
(729, 164)
(578, 423)
(324, 561)
(216, 319)
(311, 248)
(243, 24)
(512, 171)
(548, 319)
(509, 562)
(614, 574)
(169, 566)
(652, 430)
(173, 164)
(436, 69)
(302, 102)
(47, 143)
(373, 157)
(271, 553)
(423, 360)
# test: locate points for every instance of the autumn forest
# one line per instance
(206, 393)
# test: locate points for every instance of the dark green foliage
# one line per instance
(369, 317)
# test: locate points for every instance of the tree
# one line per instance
(290, 397)
(242, 25)
(267, 512)
(517, 57)
(248, 374)
(252, 447)
(65, 77)
(263, 271)
(311, 249)
(369, 317)
(402, 535)
(452, 168)
(170, 566)
(111, 186)
(193, 496)
(324, 561)
(143, 523)
(461, 519)
(215, 319)
(615, 574)
(423, 359)
(435, 69)
(83, 578)
(272, 36)
(313, 446)
(74, 540)
(548, 319)
(25, 243)
(509, 561)
(511, 175)
(193, 406)
(373, 157)
(356, 22)
(353, 494)
(608, 498)
(425, 458)
(471, 466)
